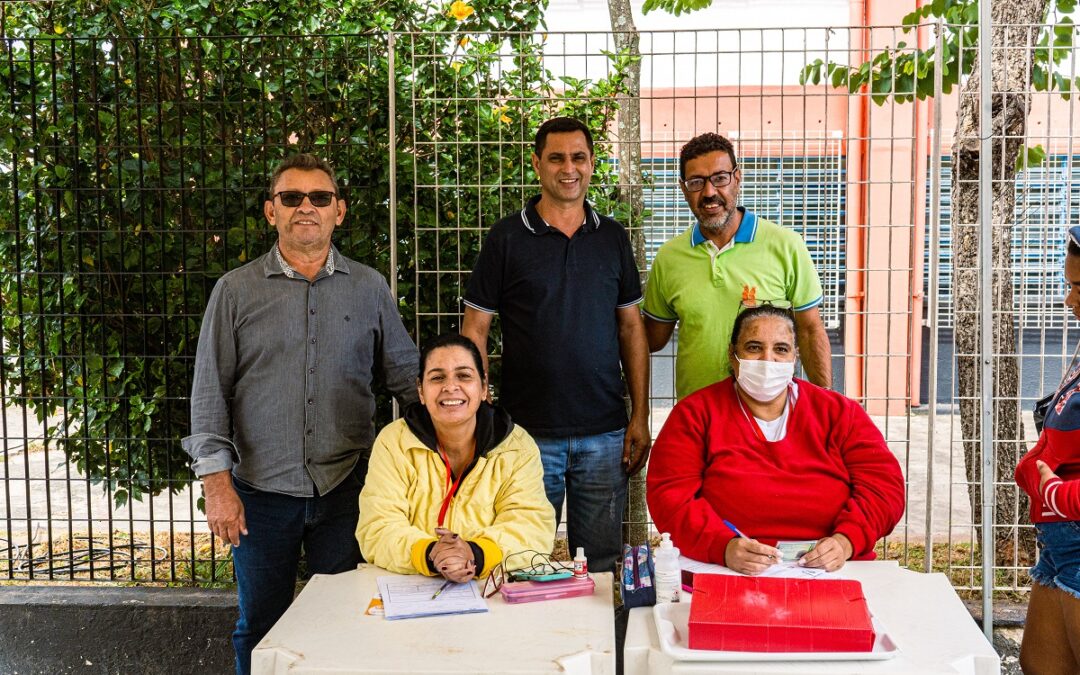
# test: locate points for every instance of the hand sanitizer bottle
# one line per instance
(581, 564)
(668, 574)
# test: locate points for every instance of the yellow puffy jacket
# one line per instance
(500, 505)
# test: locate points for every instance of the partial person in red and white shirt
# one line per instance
(1050, 475)
(779, 458)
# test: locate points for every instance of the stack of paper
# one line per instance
(406, 597)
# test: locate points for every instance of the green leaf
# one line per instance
(839, 76)
(1039, 78)
(1029, 157)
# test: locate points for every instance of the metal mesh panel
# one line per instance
(150, 180)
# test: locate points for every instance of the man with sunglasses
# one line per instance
(563, 280)
(729, 257)
(282, 402)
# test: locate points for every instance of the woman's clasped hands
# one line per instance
(453, 557)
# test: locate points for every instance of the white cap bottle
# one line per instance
(668, 572)
(581, 564)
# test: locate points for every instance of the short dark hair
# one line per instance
(1073, 249)
(304, 162)
(760, 312)
(703, 144)
(451, 340)
(560, 125)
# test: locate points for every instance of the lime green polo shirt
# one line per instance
(700, 287)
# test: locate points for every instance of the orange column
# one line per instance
(887, 170)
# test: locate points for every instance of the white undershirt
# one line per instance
(775, 430)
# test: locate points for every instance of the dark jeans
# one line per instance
(588, 471)
(279, 526)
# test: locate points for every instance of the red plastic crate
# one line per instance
(754, 614)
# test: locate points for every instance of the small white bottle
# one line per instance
(581, 564)
(668, 573)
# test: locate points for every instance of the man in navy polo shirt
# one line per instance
(563, 280)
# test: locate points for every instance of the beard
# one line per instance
(714, 224)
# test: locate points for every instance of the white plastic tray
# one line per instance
(672, 627)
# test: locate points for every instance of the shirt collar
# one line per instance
(275, 264)
(532, 221)
(744, 235)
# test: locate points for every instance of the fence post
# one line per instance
(932, 303)
(986, 316)
(392, 130)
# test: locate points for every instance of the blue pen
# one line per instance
(734, 529)
(740, 534)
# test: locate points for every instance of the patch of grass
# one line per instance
(960, 562)
(182, 560)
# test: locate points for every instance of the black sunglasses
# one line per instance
(318, 198)
(784, 305)
(718, 179)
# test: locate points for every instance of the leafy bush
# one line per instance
(140, 136)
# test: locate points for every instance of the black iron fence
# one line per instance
(133, 173)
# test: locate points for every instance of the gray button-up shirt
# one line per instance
(284, 371)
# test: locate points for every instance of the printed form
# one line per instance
(409, 596)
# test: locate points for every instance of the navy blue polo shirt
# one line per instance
(556, 297)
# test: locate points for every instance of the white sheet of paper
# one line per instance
(408, 596)
(698, 567)
(792, 570)
(795, 571)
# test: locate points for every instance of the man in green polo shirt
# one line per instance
(727, 258)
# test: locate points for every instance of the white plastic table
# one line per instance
(326, 630)
(921, 612)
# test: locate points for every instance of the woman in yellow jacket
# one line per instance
(453, 487)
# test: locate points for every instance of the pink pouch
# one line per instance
(531, 591)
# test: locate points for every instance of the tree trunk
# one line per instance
(1012, 44)
(627, 40)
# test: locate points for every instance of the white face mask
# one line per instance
(764, 380)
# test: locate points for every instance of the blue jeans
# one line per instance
(266, 561)
(588, 472)
(1059, 556)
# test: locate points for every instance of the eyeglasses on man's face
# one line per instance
(294, 198)
(718, 179)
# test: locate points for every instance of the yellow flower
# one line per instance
(461, 10)
(59, 30)
(464, 41)
(456, 65)
(506, 119)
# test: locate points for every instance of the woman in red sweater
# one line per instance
(1050, 475)
(779, 458)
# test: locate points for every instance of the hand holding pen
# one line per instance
(748, 556)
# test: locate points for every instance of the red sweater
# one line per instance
(1059, 447)
(832, 473)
